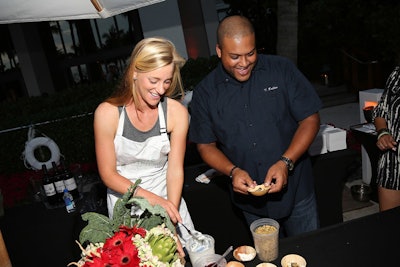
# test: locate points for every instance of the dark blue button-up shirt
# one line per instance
(253, 123)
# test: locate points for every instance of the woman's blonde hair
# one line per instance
(148, 55)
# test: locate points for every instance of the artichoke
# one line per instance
(164, 247)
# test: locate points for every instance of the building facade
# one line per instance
(46, 57)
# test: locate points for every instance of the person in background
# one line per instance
(253, 119)
(112, 73)
(386, 118)
(141, 132)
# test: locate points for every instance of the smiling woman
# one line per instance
(141, 132)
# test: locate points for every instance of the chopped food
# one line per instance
(265, 229)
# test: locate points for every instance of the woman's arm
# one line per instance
(178, 124)
(105, 126)
(106, 119)
(385, 139)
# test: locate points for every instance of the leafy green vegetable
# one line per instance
(98, 229)
(101, 227)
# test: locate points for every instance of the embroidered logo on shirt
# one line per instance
(271, 88)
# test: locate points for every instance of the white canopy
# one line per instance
(17, 11)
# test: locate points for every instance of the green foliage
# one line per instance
(100, 227)
(67, 118)
(152, 215)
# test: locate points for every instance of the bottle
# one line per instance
(49, 188)
(58, 182)
(69, 181)
(69, 201)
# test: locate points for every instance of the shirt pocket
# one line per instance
(266, 105)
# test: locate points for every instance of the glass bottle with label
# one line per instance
(69, 181)
(49, 188)
(58, 182)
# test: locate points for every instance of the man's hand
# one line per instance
(277, 177)
(241, 181)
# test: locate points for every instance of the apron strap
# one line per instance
(121, 122)
(161, 118)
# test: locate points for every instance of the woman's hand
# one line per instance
(154, 199)
(386, 142)
(179, 247)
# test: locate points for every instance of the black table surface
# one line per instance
(36, 236)
(368, 241)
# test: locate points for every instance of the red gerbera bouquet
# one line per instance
(126, 240)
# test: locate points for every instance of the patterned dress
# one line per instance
(389, 109)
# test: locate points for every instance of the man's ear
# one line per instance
(218, 50)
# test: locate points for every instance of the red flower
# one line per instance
(133, 231)
(118, 250)
(116, 240)
(127, 257)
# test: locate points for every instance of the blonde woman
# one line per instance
(140, 131)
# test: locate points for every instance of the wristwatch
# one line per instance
(288, 162)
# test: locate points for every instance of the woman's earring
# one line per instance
(134, 78)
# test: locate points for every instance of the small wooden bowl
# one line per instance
(244, 253)
(259, 190)
(234, 264)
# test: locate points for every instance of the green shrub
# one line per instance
(67, 118)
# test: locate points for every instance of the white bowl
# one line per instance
(289, 259)
(266, 264)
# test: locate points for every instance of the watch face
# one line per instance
(290, 166)
(288, 162)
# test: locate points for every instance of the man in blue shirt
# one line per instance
(253, 118)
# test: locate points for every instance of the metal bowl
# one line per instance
(361, 192)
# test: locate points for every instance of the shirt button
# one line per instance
(254, 144)
(250, 125)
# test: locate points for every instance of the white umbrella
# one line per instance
(16, 11)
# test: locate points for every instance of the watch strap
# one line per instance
(288, 162)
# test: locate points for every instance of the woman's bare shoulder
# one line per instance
(176, 107)
(177, 115)
(106, 110)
